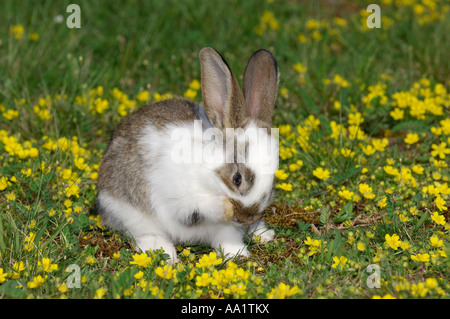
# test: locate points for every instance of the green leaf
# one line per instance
(346, 213)
(11, 289)
(324, 215)
(302, 226)
(411, 126)
(2, 242)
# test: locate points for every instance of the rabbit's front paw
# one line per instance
(266, 236)
(152, 242)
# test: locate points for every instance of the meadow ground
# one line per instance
(362, 189)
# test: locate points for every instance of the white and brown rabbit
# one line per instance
(157, 183)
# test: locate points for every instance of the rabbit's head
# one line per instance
(242, 123)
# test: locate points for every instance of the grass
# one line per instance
(364, 148)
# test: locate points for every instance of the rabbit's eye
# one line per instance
(237, 179)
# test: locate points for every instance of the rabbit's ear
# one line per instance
(261, 85)
(222, 97)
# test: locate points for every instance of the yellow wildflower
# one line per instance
(339, 261)
(282, 291)
(321, 173)
(440, 150)
(438, 219)
(284, 186)
(17, 31)
(435, 241)
(366, 191)
(46, 265)
(280, 174)
(36, 282)
(411, 138)
(166, 272)
(141, 260)
(421, 257)
(440, 203)
(393, 241)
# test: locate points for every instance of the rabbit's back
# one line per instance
(126, 158)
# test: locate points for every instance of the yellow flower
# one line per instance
(204, 280)
(63, 288)
(339, 80)
(282, 291)
(34, 36)
(72, 190)
(438, 219)
(321, 173)
(11, 114)
(280, 174)
(346, 194)
(390, 170)
(190, 94)
(440, 203)
(90, 260)
(47, 266)
(404, 245)
(361, 246)
(380, 144)
(431, 283)
(340, 21)
(4, 183)
(141, 260)
(418, 169)
(139, 275)
(337, 105)
(209, 260)
(355, 119)
(339, 261)
(284, 186)
(2, 276)
(435, 241)
(397, 114)
(393, 241)
(17, 31)
(167, 272)
(421, 257)
(80, 164)
(10, 196)
(382, 203)
(419, 290)
(386, 296)
(440, 150)
(368, 149)
(195, 84)
(143, 96)
(299, 68)
(346, 152)
(19, 266)
(36, 282)
(99, 293)
(366, 191)
(314, 245)
(411, 138)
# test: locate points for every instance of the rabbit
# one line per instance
(160, 200)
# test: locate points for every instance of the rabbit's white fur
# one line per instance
(160, 199)
(174, 198)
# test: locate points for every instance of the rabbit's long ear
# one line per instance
(222, 97)
(261, 85)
